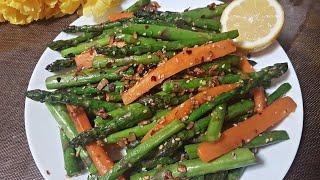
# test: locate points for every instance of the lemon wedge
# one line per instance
(259, 22)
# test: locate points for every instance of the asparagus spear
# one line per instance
(162, 100)
(170, 33)
(137, 5)
(179, 19)
(134, 113)
(239, 108)
(163, 45)
(264, 139)
(57, 97)
(152, 163)
(280, 91)
(235, 174)
(216, 122)
(266, 74)
(90, 28)
(72, 164)
(206, 12)
(238, 158)
(101, 40)
(61, 64)
(113, 87)
(85, 77)
(141, 150)
(268, 138)
(63, 44)
(60, 114)
(181, 85)
(102, 61)
(171, 145)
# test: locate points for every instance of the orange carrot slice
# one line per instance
(121, 15)
(186, 59)
(96, 152)
(247, 130)
(260, 99)
(259, 96)
(85, 59)
(183, 110)
(245, 66)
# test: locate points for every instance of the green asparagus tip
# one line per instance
(37, 95)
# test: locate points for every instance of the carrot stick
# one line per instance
(85, 59)
(121, 15)
(245, 131)
(186, 59)
(260, 99)
(259, 96)
(96, 152)
(245, 66)
(186, 108)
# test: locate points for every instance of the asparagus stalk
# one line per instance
(72, 163)
(85, 77)
(138, 5)
(190, 168)
(152, 163)
(113, 87)
(235, 174)
(182, 85)
(90, 28)
(57, 97)
(63, 44)
(238, 109)
(162, 100)
(60, 64)
(139, 130)
(141, 150)
(216, 122)
(268, 138)
(170, 33)
(264, 139)
(102, 61)
(257, 78)
(60, 114)
(280, 91)
(162, 45)
(180, 20)
(206, 12)
(175, 142)
(99, 41)
(134, 114)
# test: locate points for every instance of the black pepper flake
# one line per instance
(189, 51)
(146, 26)
(58, 79)
(48, 172)
(153, 78)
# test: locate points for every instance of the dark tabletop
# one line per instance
(21, 48)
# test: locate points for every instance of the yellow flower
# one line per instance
(48, 12)
(97, 8)
(69, 6)
(20, 11)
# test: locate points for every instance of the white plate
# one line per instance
(43, 132)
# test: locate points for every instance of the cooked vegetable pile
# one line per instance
(158, 95)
